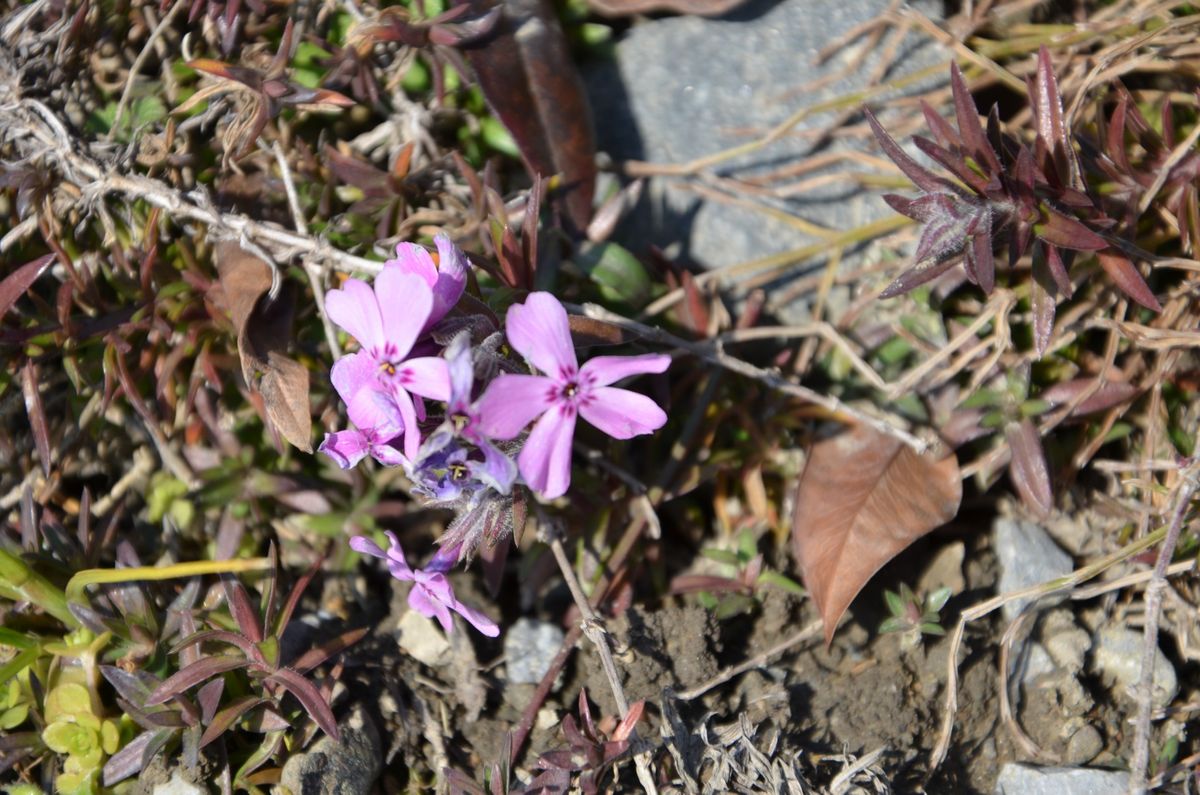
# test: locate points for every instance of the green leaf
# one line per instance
(721, 556)
(893, 624)
(937, 600)
(495, 135)
(777, 580)
(734, 604)
(930, 628)
(894, 602)
(619, 274)
(984, 398)
(747, 546)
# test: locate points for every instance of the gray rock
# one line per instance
(348, 767)
(1019, 779)
(178, 785)
(685, 86)
(529, 648)
(1067, 643)
(1084, 745)
(1027, 556)
(1117, 657)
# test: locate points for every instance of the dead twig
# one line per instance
(1189, 482)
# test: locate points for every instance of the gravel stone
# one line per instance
(1117, 657)
(1020, 779)
(348, 767)
(530, 647)
(1027, 556)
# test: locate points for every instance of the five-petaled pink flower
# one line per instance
(539, 331)
(386, 321)
(432, 595)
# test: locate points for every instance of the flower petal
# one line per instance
(354, 372)
(545, 460)
(414, 259)
(538, 330)
(461, 369)
(356, 309)
(387, 455)
(412, 434)
(511, 402)
(405, 301)
(444, 559)
(451, 278)
(605, 370)
(428, 377)
(366, 546)
(497, 471)
(426, 604)
(476, 619)
(376, 413)
(346, 448)
(622, 414)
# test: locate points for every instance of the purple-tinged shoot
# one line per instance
(539, 331)
(432, 595)
(386, 320)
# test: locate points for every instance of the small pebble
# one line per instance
(1084, 746)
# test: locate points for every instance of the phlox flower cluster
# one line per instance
(433, 389)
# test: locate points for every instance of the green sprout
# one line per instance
(910, 616)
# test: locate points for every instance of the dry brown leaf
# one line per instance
(526, 72)
(264, 331)
(862, 498)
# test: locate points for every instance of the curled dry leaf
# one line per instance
(862, 498)
(264, 331)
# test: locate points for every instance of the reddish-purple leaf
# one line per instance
(1062, 230)
(194, 674)
(625, 728)
(943, 133)
(1125, 274)
(294, 596)
(127, 761)
(1043, 297)
(17, 283)
(969, 127)
(985, 263)
(310, 698)
(917, 276)
(1107, 395)
(922, 177)
(36, 414)
(1048, 113)
(1028, 470)
(241, 608)
(209, 698)
(1058, 270)
(527, 74)
(133, 687)
(222, 720)
(314, 657)
(862, 498)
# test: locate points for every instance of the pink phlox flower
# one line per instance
(432, 595)
(386, 320)
(539, 331)
(447, 279)
(378, 423)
